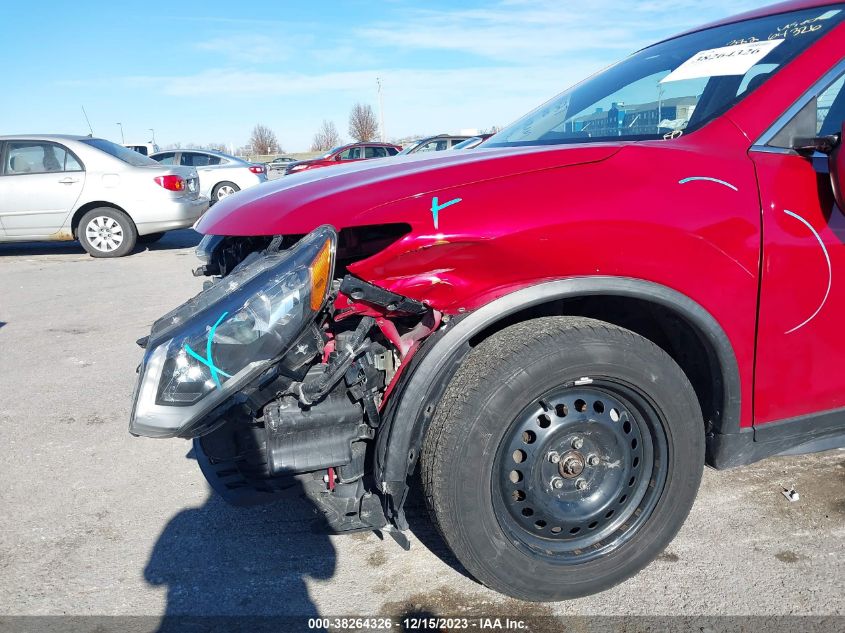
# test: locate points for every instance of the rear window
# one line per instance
(119, 152)
(674, 87)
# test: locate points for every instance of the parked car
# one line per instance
(344, 154)
(143, 148)
(58, 187)
(472, 142)
(280, 162)
(640, 277)
(433, 144)
(221, 175)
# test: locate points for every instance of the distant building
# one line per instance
(634, 119)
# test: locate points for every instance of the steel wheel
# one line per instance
(579, 470)
(104, 233)
(563, 457)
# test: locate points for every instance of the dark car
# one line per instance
(345, 154)
(437, 143)
(643, 276)
(280, 162)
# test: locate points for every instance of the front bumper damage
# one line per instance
(281, 374)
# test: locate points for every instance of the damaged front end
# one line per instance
(280, 372)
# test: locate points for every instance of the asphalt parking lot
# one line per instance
(95, 521)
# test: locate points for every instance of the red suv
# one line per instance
(557, 331)
(345, 154)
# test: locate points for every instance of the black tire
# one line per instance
(107, 232)
(568, 368)
(217, 193)
(150, 238)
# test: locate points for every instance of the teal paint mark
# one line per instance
(436, 208)
(208, 361)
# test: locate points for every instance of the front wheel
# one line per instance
(107, 232)
(564, 456)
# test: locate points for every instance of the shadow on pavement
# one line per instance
(236, 567)
(183, 238)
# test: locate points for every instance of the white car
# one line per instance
(58, 187)
(220, 175)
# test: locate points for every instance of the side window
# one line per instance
(39, 158)
(392, 151)
(374, 152)
(831, 108)
(202, 160)
(187, 158)
(351, 153)
(168, 158)
(71, 163)
(428, 147)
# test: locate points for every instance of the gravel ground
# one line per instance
(96, 522)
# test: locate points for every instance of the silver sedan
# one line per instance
(220, 174)
(58, 187)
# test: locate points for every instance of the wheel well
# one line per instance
(85, 208)
(672, 332)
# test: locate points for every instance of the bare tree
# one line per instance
(263, 140)
(362, 123)
(326, 137)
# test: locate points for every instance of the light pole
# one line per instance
(380, 109)
(122, 140)
(153, 132)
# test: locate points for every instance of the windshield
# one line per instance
(333, 150)
(412, 146)
(472, 141)
(674, 87)
(121, 153)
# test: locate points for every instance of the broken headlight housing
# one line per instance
(200, 354)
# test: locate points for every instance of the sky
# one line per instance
(207, 72)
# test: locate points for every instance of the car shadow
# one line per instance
(240, 568)
(182, 238)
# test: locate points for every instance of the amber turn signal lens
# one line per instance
(320, 270)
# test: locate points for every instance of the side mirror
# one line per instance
(338, 157)
(837, 170)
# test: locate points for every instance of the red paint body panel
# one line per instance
(801, 299)
(684, 213)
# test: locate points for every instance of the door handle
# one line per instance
(68, 180)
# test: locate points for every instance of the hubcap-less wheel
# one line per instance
(224, 191)
(579, 471)
(104, 233)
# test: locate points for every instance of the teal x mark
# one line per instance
(208, 361)
(435, 208)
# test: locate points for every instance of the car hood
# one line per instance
(364, 192)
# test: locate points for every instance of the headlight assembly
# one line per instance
(209, 348)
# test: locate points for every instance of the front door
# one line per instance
(800, 365)
(40, 183)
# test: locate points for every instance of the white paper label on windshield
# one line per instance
(726, 60)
